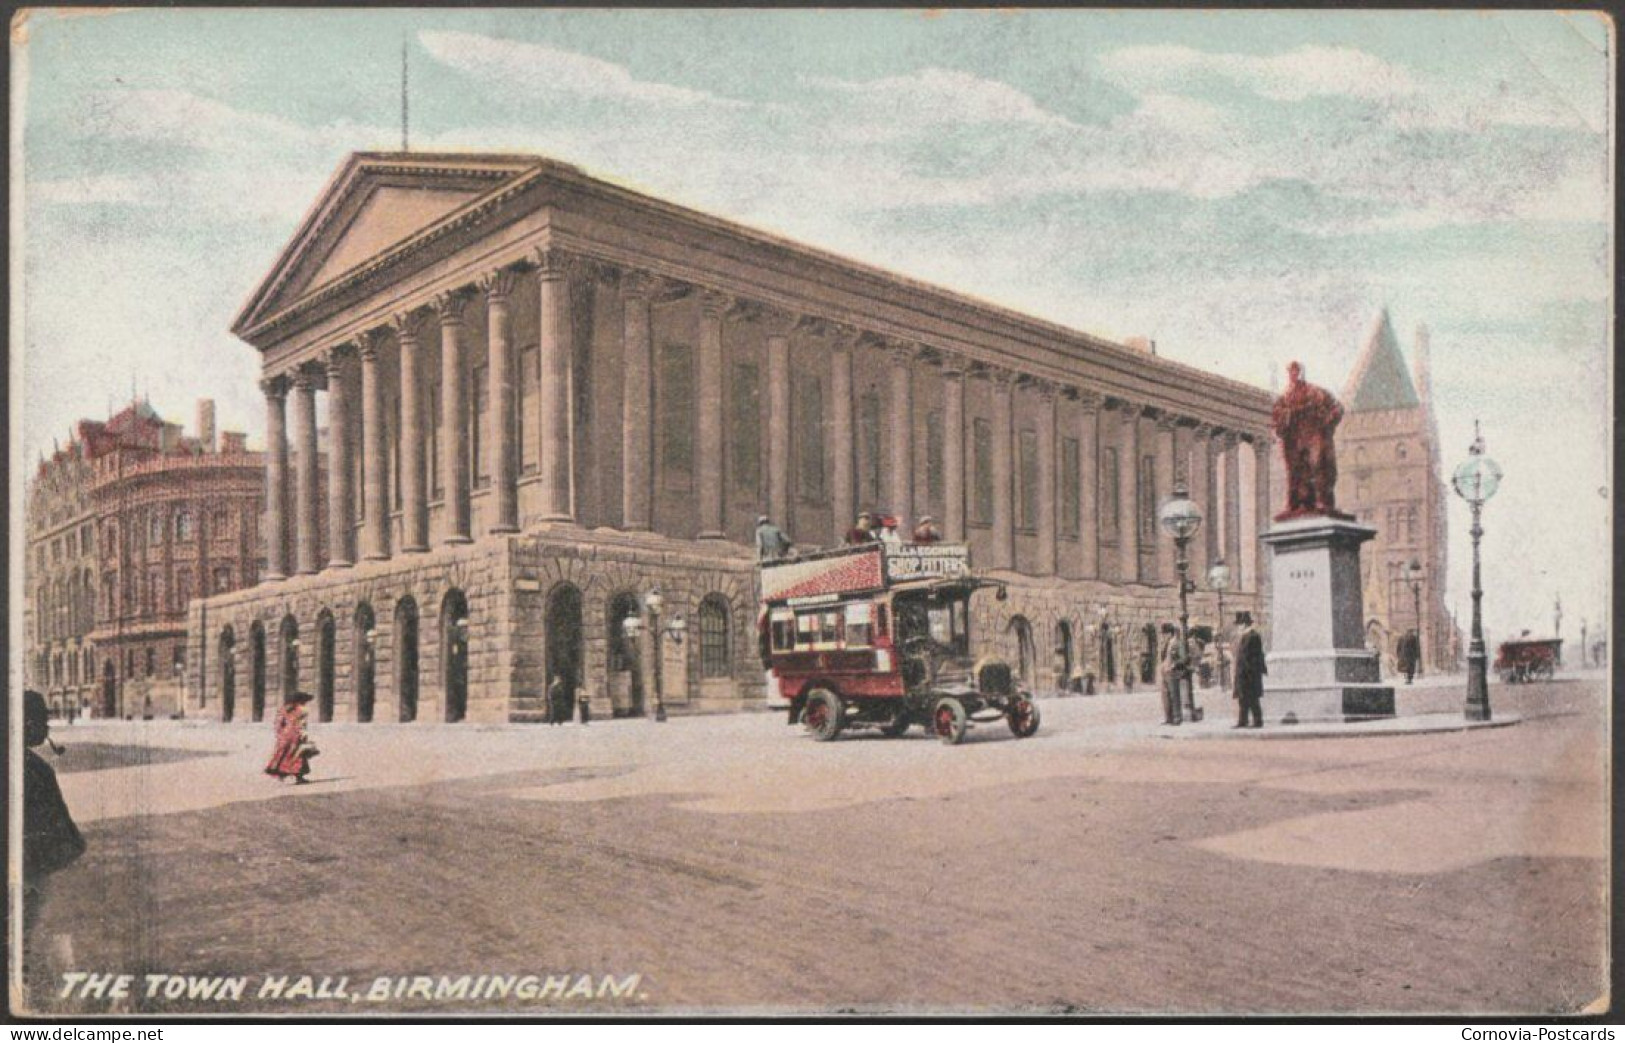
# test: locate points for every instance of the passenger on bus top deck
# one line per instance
(888, 529)
(863, 531)
(927, 531)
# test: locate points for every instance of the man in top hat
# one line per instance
(1250, 669)
(926, 531)
(1174, 671)
(771, 542)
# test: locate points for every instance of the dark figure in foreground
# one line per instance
(1409, 654)
(1304, 419)
(1174, 672)
(1250, 669)
(51, 841)
(290, 757)
(558, 705)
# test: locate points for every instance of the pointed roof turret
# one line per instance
(1380, 380)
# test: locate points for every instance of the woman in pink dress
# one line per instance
(290, 759)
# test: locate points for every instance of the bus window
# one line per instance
(829, 635)
(942, 624)
(784, 634)
(807, 629)
(858, 628)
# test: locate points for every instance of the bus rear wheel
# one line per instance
(823, 714)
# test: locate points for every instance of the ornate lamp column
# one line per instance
(1476, 480)
(1181, 518)
(276, 478)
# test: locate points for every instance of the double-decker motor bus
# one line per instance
(879, 635)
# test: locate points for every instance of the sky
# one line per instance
(1246, 188)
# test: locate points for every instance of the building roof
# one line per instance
(1380, 380)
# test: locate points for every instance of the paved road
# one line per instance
(735, 864)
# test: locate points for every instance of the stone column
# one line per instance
(842, 491)
(453, 461)
(1128, 497)
(276, 481)
(305, 477)
(374, 457)
(1261, 513)
(637, 403)
(1201, 485)
(340, 464)
(557, 349)
(1004, 533)
(779, 327)
(501, 418)
(900, 488)
(708, 403)
(953, 448)
(1166, 457)
(1048, 522)
(1089, 483)
(1232, 507)
(414, 479)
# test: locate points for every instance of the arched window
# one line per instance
(155, 528)
(716, 655)
(183, 526)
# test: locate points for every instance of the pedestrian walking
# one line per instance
(926, 531)
(290, 757)
(1174, 671)
(1409, 654)
(1249, 669)
(771, 542)
(584, 703)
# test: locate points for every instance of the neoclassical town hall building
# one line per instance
(546, 395)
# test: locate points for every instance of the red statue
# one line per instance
(1304, 419)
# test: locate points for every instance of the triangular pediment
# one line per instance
(375, 202)
(1380, 380)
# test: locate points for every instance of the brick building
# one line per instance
(1390, 478)
(547, 394)
(126, 525)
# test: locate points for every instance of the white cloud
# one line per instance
(1291, 76)
(538, 67)
(79, 191)
(936, 95)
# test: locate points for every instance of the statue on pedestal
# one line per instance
(1304, 419)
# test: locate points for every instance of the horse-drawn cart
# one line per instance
(1517, 662)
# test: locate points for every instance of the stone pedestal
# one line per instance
(1319, 667)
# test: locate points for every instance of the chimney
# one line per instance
(1424, 365)
(232, 442)
(1145, 344)
(205, 424)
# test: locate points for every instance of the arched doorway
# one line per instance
(109, 688)
(289, 646)
(1026, 654)
(256, 669)
(366, 671)
(454, 653)
(564, 643)
(1148, 653)
(228, 674)
(406, 658)
(326, 637)
(1063, 654)
(625, 679)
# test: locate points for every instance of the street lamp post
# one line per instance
(1475, 481)
(1557, 626)
(674, 628)
(1218, 577)
(1180, 518)
(1414, 576)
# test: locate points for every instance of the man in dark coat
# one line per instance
(51, 841)
(1410, 654)
(1249, 672)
